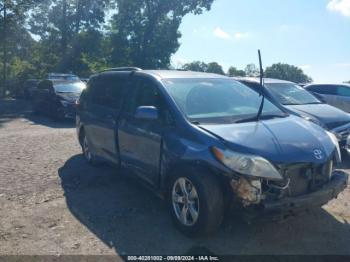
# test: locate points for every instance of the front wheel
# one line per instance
(196, 203)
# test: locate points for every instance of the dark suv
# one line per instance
(195, 138)
(57, 98)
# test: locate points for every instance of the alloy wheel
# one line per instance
(185, 201)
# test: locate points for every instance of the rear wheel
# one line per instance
(196, 203)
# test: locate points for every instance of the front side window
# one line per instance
(291, 94)
(217, 100)
(77, 87)
(145, 93)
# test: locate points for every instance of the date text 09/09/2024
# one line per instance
(172, 258)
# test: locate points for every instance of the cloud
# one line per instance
(240, 35)
(305, 67)
(342, 65)
(218, 32)
(340, 6)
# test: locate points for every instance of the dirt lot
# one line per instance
(52, 202)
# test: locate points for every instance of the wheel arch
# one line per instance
(191, 166)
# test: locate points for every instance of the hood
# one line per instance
(69, 97)
(328, 115)
(281, 141)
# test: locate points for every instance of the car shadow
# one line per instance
(12, 109)
(131, 220)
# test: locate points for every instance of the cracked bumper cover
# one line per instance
(315, 199)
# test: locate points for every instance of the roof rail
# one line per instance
(121, 69)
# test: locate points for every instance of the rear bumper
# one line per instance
(316, 199)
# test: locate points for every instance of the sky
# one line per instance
(311, 34)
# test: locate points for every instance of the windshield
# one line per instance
(70, 87)
(291, 94)
(217, 100)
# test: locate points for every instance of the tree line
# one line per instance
(85, 36)
(279, 71)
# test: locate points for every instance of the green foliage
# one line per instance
(15, 40)
(195, 66)
(215, 68)
(64, 24)
(234, 72)
(44, 36)
(198, 66)
(287, 72)
(145, 33)
(251, 70)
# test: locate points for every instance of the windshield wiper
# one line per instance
(197, 123)
(313, 103)
(255, 119)
(262, 92)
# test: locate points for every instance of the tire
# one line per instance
(193, 216)
(88, 156)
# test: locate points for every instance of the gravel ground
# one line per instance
(53, 203)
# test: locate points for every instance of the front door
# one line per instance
(140, 140)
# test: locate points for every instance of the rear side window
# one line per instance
(323, 89)
(107, 91)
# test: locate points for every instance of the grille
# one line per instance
(344, 135)
(301, 179)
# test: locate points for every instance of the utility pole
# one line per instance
(2, 93)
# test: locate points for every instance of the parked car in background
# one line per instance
(298, 101)
(58, 76)
(335, 95)
(24, 90)
(57, 98)
(195, 138)
(29, 88)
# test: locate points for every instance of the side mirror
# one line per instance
(147, 113)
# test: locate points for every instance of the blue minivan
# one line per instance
(194, 138)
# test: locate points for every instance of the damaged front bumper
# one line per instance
(318, 198)
(290, 205)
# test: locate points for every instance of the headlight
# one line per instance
(249, 165)
(336, 143)
(64, 103)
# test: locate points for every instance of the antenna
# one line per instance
(261, 69)
(262, 92)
